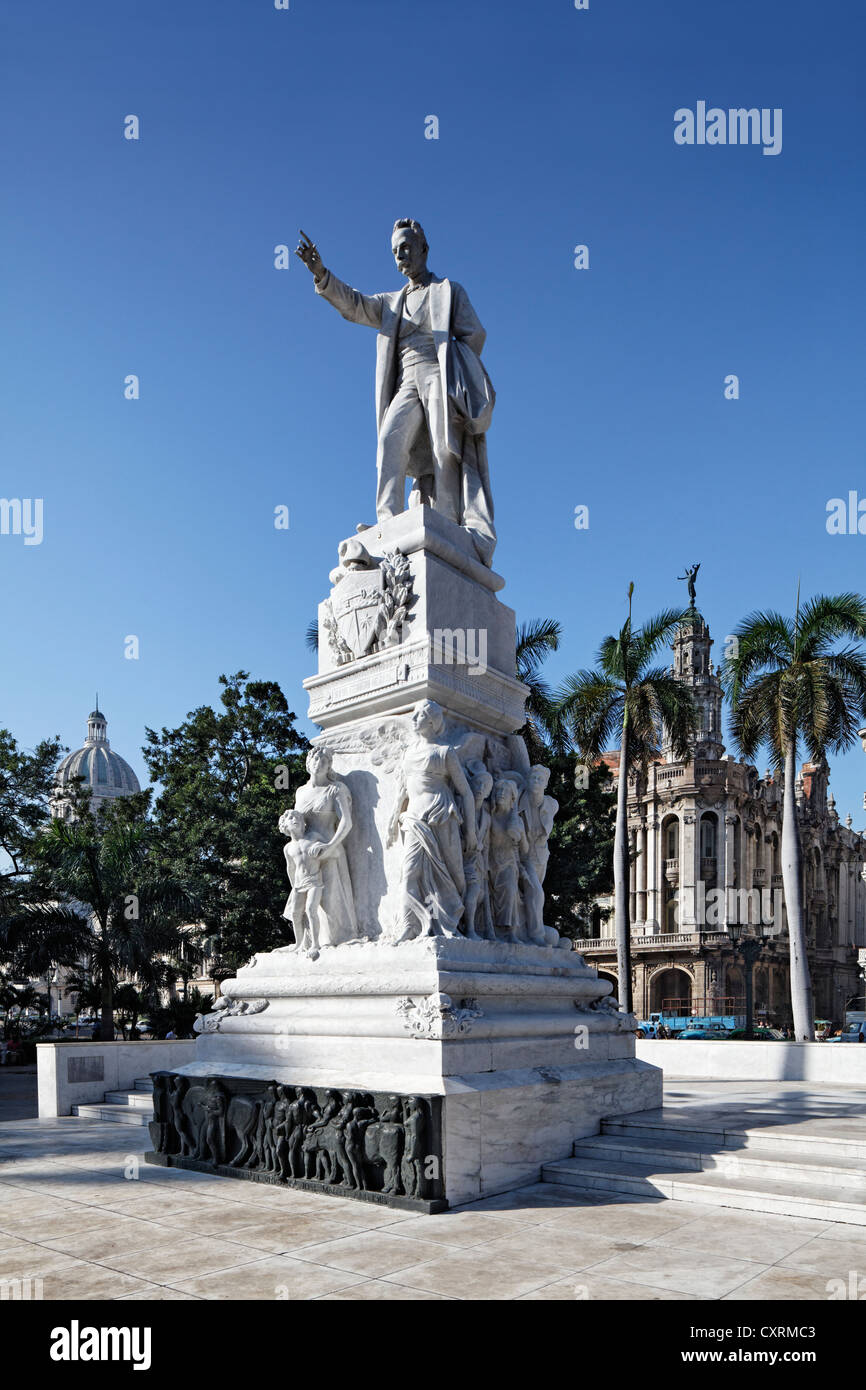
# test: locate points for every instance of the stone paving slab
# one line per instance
(81, 1210)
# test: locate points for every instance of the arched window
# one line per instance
(708, 836)
(672, 840)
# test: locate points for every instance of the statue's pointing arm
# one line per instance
(354, 306)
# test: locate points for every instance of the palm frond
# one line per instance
(535, 641)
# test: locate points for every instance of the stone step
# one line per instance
(790, 1138)
(816, 1201)
(139, 1100)
(143, 1083)
(116, 1114)
(688, 1154)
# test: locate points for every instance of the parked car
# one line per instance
(852, 1032)
(759, 1034)
(706, 1033)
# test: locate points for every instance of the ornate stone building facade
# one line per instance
(706, 844)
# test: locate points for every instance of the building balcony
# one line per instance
(708, 870)
(672, 870)
(666, 942)
(759, 877)
(777, 881)
(711, 770)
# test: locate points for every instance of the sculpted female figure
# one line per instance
(507, 845)
(478, 921)
(326, 805)
(539, 811)
(433, 798)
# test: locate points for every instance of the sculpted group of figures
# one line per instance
(345, 1139)
(472, 819)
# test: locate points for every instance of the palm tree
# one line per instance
(535, 641)
(94, 901)
(626, 697)
(787, 681)
(15, 1000)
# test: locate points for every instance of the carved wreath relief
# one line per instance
(352, 1140)
(436, 1016)
(227, 1008)
(369, 602)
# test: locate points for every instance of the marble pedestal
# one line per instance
(456, 641)
(515, 1039)
(404, 1058)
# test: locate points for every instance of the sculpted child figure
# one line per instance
(304, 867)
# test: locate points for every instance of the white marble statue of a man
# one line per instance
(434, 399)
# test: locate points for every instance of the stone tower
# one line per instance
(693, 665)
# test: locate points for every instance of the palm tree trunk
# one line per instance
(622, 926)
(792, 881)
(107, 1007)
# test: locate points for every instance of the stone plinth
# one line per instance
(454, 645)
(515, 1038)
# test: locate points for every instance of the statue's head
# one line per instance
(480, 780)
(292, 823)
(428, 718)
(504, 794)
(409, 245)
(539, 776)
(319, 763)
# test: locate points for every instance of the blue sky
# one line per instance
(155, 257)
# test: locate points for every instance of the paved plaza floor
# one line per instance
(81, 1211)
(18, 1099)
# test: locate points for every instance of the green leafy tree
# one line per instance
(26, 784)
(628, 699)
(96, 898)
(179, 1015)
(225, 776)
(15, 1001)
(789, 682)
(581, 843)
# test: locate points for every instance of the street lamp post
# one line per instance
(54, 981)
(749, 947)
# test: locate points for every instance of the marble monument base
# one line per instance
(514, 1041)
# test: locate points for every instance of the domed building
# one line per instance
(105, 773)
